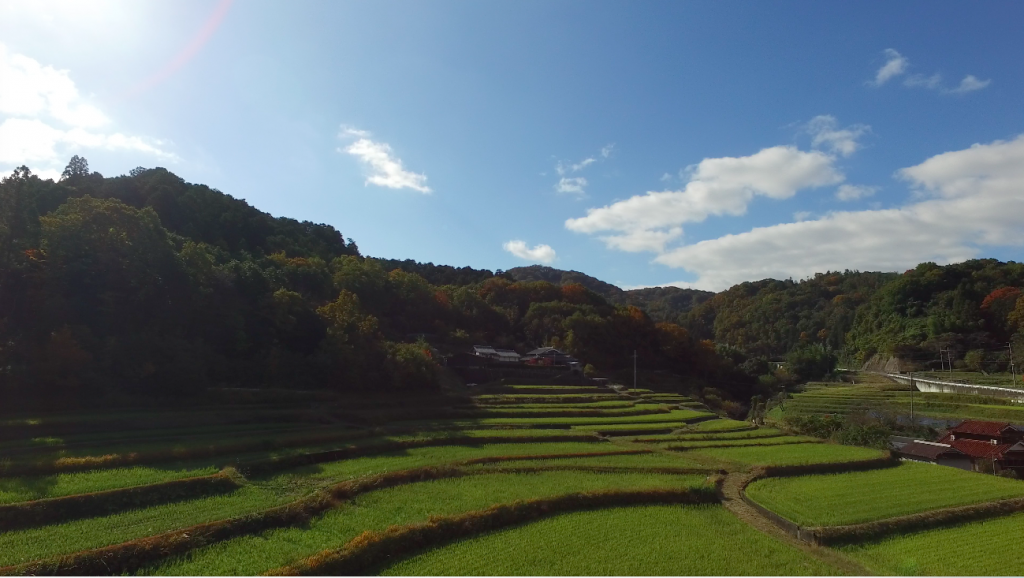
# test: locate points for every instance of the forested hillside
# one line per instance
(661, 303)
(770, 317)
(972, 309)
(146, 284)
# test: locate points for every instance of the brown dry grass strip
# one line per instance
(492, 459)
(890, 461)
(734, 445)
(22, 515)
(834, 535)
(685, 432)
(289, 462)
(624, 412)
(547, 398)
(74, 464)
(128, 557)
(370, 549)
(605, 470)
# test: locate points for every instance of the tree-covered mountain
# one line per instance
(974, 310)
(661, 303)
(770, 318)
(144, 284)
(561, 277)
(971, 310)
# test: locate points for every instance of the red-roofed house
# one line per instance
(1000, 442)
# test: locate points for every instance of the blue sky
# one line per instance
(687, 143)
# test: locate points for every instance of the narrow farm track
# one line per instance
(732, 498)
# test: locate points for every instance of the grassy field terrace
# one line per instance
(873, 393)
(509, 480)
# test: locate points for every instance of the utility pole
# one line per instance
(942, 359)
(1013, 370)
(912, 388)
(634, 372)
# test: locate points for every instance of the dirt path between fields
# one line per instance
(733, 501)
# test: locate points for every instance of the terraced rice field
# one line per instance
(855, 497)
(399, 506)
(622, 542)
(22, 489)
(986, 548)
(739, 442)
(534, 480)
(788, 455)
(877, 394)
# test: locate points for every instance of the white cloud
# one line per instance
(25, 141)
(351, 131)
(801, 215)
(583, 164)
(718, 186)
(30, 89)
(971, 198)
(571, 185)
(895, 65)
(853, 192)
(826, 133)
(642, 240)
(577, 185)
(385, 168)
(539, 253)
(46, 120)
(970, 84)
(922, 81)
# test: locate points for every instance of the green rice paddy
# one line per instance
(638, 541)
(878, 394)
(986, 548)
(741, 442)
(837, 499)
(21, 489)
(789, 455)
(398, 506)
(538, 442)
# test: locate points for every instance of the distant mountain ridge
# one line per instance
(661, 303)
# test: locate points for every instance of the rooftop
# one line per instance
(980, 449)
(988, 428)
(930, 450)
